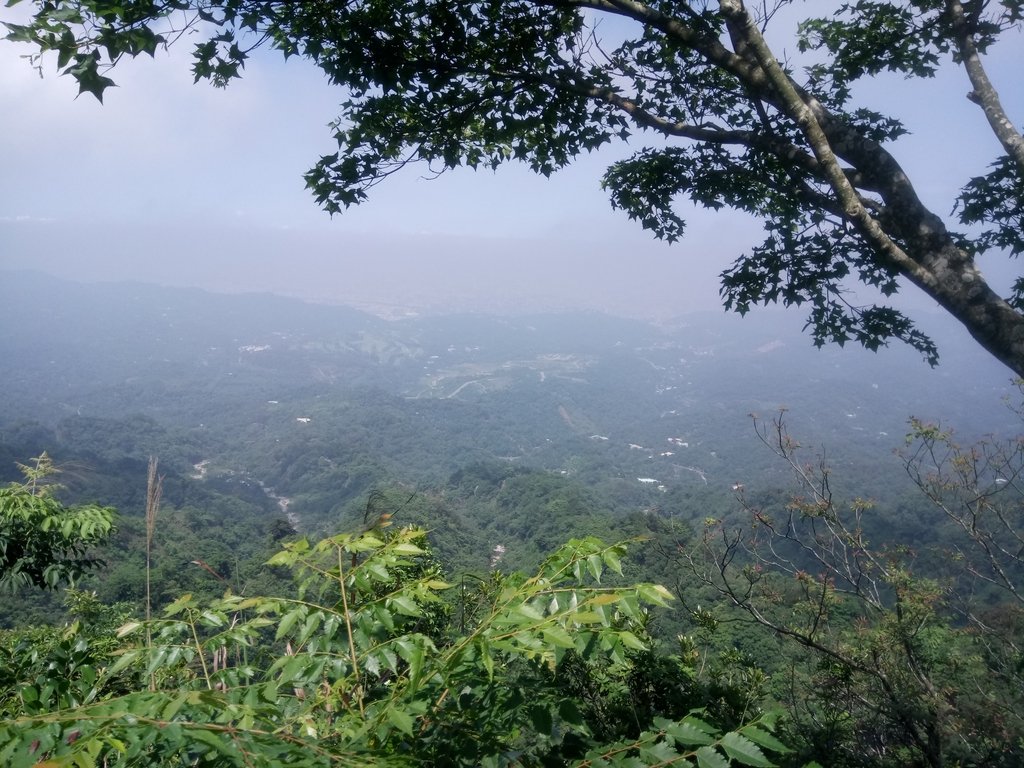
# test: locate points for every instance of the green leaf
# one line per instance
(405, 548)
(629, 606)
(378, 570)
(213, 619)
(654, 594)
(658, 753)
(288, 621)
(632, 641)
(310, 626)
(213, 740)
(743, 750)
(399, 719)
(365, 543)
(411, 650)
(541, 718)
(709, 757)
(130, 628)
(282, 558)
(558, 637)
(569, 711)
(764, 739)
(613, 559)
(179, 605)
(484, 651)
(126, 658)
(689, 732)
(525, 609)
(173, 706)
(406, 606)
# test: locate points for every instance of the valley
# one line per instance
(503, 437)
(319, 405)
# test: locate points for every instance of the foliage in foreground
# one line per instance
(362, 666)
(891, 662)
(44, 543)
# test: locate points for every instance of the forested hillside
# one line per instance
(268, 414)
(503, 438)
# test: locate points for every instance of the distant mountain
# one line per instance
(324, 401)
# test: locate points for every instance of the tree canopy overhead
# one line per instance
(713, 113)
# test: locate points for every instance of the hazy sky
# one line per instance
(186, 184)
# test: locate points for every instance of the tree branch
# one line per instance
(984, 93)
(798, 110)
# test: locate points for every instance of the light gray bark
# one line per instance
(902, 231)
(984, 93)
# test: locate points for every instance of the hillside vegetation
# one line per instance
(360, 552)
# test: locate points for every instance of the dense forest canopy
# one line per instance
(733, 123)
(459, 454)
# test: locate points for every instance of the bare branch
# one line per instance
(984, 93)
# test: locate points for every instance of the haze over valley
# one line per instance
(315, 406)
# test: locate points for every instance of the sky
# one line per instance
(183, 184)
